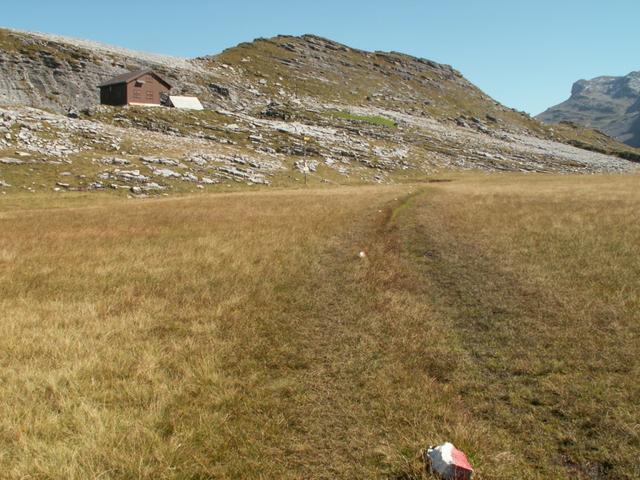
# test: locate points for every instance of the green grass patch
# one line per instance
(373, 119)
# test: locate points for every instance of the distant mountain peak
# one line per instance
(607, 103)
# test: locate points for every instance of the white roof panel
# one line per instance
(187, 103)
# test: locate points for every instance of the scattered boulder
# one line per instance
(152, 186)
(306, 166)
(219, 89)
(249, 176)
(165, 172)
(130, 176)
(160, 161)
(114, 161)
(189, 177)
(276, 111)
(11, 161)
(461, 122)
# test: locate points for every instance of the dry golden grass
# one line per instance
(542, 278)
(240, 336)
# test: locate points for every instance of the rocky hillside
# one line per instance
(279, 111)
(609, 104)
(58, 73)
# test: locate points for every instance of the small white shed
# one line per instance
(185, 103)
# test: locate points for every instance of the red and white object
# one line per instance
(449, 462)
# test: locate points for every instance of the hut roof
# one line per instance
(131, 76)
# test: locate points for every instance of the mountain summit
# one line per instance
(609, 104)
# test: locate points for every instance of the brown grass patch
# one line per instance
(240, 336)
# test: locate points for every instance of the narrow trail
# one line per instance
(366, 383)
(350, 350)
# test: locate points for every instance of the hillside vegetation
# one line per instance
(242, 336)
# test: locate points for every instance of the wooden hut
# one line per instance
(141, 87)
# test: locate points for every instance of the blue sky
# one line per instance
(525, 54)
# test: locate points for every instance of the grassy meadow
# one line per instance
(240, 335)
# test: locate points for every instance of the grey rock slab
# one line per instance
(11, 161)
(165, 172)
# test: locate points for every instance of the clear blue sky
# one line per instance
(526, 54)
